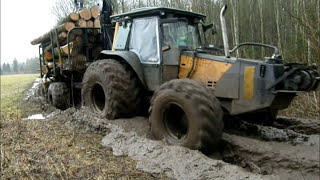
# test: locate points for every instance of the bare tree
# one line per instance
(63, 8)
(235, 22)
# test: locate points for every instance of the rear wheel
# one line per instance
(59, 95)
(111, 89)
(186, 113)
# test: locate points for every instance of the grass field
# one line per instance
(12, 87)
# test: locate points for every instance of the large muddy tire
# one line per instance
(59, 95)
(111, 89)
(184, 112)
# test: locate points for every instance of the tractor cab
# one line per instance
(157, 36)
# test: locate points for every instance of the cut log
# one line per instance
(64, 48)
(73, 50)
(63, 35)
(72, 17)
(90, 24)
(62, 41)
(82, 23)
(48, 56)
(96, 23)
(62, 53)
(95, 11)
(68, 26)
(46, 37)
(85, 14)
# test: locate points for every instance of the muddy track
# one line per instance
(287, 150)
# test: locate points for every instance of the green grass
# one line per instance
(12, 87)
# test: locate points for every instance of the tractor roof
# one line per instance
(149, 11)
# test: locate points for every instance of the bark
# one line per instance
(72, 17)
(235, 23)
(261, 25)
(46, 37)
(252, 23)
(278, 25)
(309, 51)
(319, 25)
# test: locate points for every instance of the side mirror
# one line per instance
(210, 26)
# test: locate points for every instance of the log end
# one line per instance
(85, 14)
(69, 25)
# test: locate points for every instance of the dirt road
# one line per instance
(287, 150)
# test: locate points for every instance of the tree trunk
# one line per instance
(63, 35)
(278, 25)
(319, 26)
(46, 37)
(235, 23)
(85, 14)
(252, 25)
(48, 56)
(96, 23)
(89, 24)
(261, 26)
(82, 23)
(95, 11)
(72, 17)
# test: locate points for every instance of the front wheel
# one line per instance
(184, 112)
(111, 89)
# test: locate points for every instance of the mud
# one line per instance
(33, 94)
(287, 150)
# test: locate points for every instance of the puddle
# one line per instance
(35, 117)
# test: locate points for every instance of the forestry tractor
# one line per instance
(157, 59)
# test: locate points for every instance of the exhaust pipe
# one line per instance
(224, 31)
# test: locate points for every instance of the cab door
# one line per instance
(144, 41)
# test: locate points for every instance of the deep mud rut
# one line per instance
(287, 150)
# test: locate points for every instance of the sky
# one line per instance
(21, 22)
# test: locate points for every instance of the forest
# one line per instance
(30, 66)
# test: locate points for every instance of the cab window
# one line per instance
(144, 39)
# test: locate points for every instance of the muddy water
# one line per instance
(287, 150)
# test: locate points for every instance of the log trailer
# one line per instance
(160, 54)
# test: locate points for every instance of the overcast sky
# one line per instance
(21, 22)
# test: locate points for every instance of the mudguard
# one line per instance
(127, 56)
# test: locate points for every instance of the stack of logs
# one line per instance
(89, 18)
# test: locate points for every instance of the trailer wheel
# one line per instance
(111, 89)
(184, 112)
(59, 95)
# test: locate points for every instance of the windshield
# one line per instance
(180, 34)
